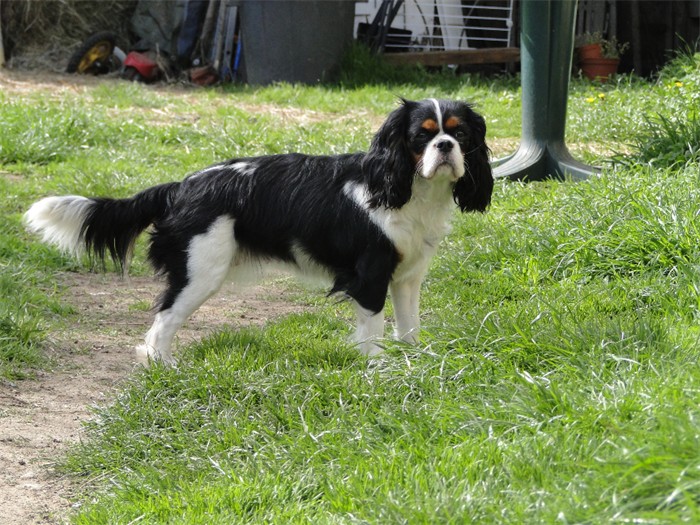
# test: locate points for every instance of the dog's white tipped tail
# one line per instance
(59, 221)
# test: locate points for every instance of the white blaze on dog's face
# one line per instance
(437, 141)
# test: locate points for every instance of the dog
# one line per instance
(366, 223)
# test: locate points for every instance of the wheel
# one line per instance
(94, 55)
(132, 75)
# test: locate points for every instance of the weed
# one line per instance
(669, 141)
(556, 381)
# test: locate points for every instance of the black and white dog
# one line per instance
(368, 223)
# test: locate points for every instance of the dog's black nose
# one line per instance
(445, 146)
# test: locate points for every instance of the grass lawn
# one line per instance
(557, 380)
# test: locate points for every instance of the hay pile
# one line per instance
(42, 34)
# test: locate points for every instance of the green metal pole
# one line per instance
(547, 45)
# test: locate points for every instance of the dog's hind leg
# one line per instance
(208, 262)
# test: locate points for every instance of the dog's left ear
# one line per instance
(388, 167)
(472, 192)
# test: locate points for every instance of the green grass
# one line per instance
(557, 381)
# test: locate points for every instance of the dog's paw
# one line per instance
(412, 337)
(146, 354)
(370, 348)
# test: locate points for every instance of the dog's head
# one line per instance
(432, 139)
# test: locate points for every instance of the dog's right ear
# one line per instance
(388, 166)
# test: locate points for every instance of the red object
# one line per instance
(599, 68)
(590, 51)
(145, 66)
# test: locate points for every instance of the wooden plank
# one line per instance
(493, 55)
(2, 49)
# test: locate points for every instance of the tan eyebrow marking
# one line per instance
(452, 123)
(430, 125)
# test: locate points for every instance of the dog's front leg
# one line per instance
(405, 296)
(370, 329)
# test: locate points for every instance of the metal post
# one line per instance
(547, 45)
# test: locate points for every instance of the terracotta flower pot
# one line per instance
(599, 68)
(590, 51)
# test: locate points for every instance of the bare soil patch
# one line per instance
(40, 418)
(17, 82)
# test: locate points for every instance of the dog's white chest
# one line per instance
(417, 231)
(417, 228)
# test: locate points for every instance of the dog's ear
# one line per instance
(388, 166)
(472, 192)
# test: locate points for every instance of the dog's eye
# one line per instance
(461, 136)
(421, 138)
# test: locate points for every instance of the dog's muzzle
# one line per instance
(443, 158)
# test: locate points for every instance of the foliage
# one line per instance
(26, 305)
(669, 141)
(610, 47)
(557, 380)
(670, 135)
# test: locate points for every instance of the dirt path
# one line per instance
(41, 418)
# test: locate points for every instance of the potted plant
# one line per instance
(599, 57)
